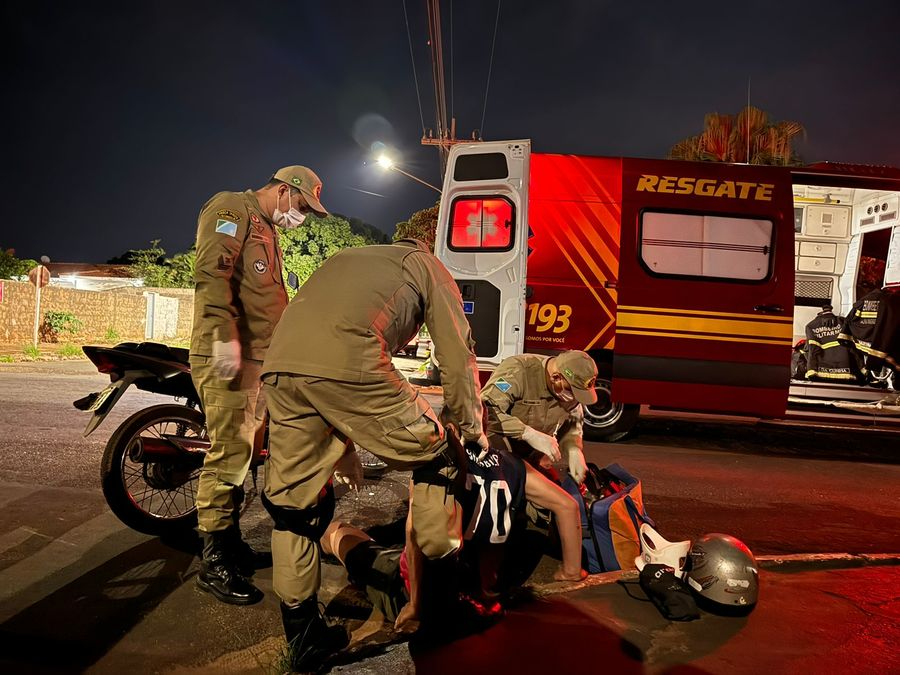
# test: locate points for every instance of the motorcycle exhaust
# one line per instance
(148, 449)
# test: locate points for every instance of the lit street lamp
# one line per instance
(387, 163)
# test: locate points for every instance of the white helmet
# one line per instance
(657, 551)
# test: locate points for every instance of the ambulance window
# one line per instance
(703, 245)
(481, 224)
(484, 166)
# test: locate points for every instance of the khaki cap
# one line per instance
(580, 371)
(305, 180)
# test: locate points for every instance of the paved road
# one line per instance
(79, 591)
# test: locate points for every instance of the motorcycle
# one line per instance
(151, 464)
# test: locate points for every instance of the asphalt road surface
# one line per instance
(79, 591)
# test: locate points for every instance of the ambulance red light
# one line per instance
(482, 223)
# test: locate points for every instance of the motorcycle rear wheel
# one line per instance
(153, 498)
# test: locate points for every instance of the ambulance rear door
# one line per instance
(706, 287)
(482, 238)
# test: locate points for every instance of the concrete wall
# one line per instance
(122, 310)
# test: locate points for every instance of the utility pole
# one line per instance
(437, 75)
(446, 134)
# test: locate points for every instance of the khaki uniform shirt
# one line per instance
(240, 292)
(363, 304)
(517, 395)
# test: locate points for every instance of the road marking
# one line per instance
(63, 561)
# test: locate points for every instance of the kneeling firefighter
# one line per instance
(329, 379)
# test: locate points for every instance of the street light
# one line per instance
(387, 164)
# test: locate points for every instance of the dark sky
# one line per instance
(121, 118)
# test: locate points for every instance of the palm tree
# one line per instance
(748, 137)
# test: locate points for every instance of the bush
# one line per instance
(58, 324)
(69, 350)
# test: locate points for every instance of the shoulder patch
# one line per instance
(503, 385)
(226, 227)
(229, 214)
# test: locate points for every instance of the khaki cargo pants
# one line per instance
(310, 420)
(234, 411)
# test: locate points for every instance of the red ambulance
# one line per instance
(687, 282)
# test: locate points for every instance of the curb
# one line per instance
(819, 560)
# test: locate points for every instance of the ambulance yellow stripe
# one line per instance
(704, 325)
(702, 312)
(694, 336)
(587, 284)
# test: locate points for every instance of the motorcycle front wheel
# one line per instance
(155, 498)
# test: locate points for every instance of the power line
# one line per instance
(412, 60)
(490, 69)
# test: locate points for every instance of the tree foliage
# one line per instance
(157, 271)
(421, 225)
(371, 233)
(11, 266)
(308, 246)
(726, 138)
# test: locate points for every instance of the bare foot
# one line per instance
(561, 575)
(407, 620)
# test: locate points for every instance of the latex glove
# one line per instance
(348, 470)
(542, 442)
(226, 359)
(483, 446)
(577, 465)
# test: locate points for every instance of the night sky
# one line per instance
(121, 118)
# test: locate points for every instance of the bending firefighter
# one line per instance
(239, 299)
(535, 402)
(329, 379)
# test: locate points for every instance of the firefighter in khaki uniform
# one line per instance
(239, 298)
(328, 377)
(536, 402)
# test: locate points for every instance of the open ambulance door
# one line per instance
(706, 288)
(482, 238)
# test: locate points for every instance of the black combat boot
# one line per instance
(310, 639)
(246, 558)
(219, 575)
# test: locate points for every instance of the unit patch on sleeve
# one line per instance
(226, 227)
(254, 217)
(229, 214)
(225, 262)
(503, 385)
(260, 266)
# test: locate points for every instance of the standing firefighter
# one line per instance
(328, 377)
(239, 299)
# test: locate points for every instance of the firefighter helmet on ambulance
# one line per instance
(722, 570)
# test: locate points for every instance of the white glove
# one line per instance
(226, 358)
(348, 469)
(482, 442)
(577, 465)
(542, 442)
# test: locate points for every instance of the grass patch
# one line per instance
(31, 351)
(6, 358)
(112, 335)
(69, 350)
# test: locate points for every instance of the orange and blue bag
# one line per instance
(612, 511)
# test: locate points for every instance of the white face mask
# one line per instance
(293, 218)
(564, 395)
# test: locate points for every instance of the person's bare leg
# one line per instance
(546, 494)
(340, 538)
(408, 618)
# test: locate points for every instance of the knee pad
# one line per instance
(310, 522)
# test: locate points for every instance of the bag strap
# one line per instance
(637, 516)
